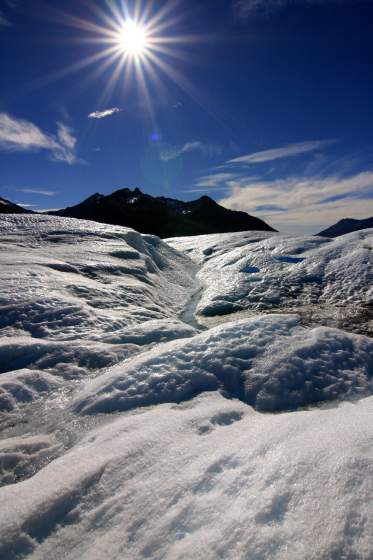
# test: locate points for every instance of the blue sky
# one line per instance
(265, 105)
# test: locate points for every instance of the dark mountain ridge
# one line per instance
(347, 225)
(161, 216)
(7, 207)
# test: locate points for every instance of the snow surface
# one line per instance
(256, 270)
(78, 296)
(206, 479)
(24, 386)
(21, 455)
(269, 362)
(130, 434)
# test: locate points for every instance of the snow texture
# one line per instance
(256, 270)
(24, 386)
(203, 480)
(271, 363)
(128, 434)
(23, 455)
(78, 296)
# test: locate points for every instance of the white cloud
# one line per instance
(66, 145)
(173, 153)
(322, 193)
(48, 209)
(215, 179)
(18, 135)
(203, 190)
(37, 191)
(104, 114)
(290, 150)
(309, 204)
(25, 205)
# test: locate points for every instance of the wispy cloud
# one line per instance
(194, 146)
(18, 135)
(4, 21)
(48, 209)
(65, 150)
(4, 15)
(215, 180)
(290, 150)
(104, 114)
(269, 208)
(302, 198)
(25, 205)
(245, 8)
(203, 189)
(37, 191)
(304, 204)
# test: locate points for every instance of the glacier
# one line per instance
(77, 297)
(331, 280)
(202, 397)
(270, 363)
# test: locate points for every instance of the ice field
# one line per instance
(195, 398)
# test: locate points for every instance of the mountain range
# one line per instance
(347, 225)
(7, 207)
(168, 217)
(161, 216)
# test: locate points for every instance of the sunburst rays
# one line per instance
(130, 43)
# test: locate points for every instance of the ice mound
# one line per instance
(94, 317)
(65, 278)
(206, 479)
(256, 270)
(22, 456)
(269, 362)
(77, 296)
(24, 386)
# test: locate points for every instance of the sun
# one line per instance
(135, 44)
(133, 39)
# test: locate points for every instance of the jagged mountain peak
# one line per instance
(162, 216)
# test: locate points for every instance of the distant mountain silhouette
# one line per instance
(347, 225)
(164, 217)
(7, 207)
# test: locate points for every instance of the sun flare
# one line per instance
(141, 45)
(133, 39)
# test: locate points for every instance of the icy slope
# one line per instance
(250, 440)
(204, 480)
(256, 270)
(77, 296)
(271, 363)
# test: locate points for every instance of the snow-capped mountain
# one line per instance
(188, 398)
(164, 217)
(347, 225)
